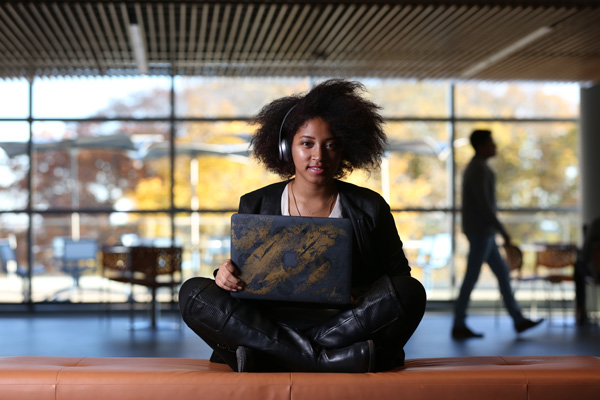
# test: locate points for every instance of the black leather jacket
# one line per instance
(377, 245)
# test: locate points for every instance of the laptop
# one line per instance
(293, 259)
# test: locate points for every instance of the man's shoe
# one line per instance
(465, 333)
(527, 324)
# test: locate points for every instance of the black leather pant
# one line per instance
(388, 313)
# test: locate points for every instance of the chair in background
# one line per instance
(156, 267)
(513, 256)
(152, 267)
(79, 256)
(556, 263)
(116, 265)
(8, 259)
(434, 253)
(74, 258)
(10, 265)
(514, 259)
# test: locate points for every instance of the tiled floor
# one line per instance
(96, 335)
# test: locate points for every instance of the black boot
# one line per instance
(249, 360)
(222, 354)
(382, 315)
(369, 314)
(227, 323)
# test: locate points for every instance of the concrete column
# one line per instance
(589, 153)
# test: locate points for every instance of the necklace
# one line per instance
(329, 203)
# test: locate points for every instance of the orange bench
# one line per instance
(489, 378)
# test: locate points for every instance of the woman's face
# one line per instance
(317, 154)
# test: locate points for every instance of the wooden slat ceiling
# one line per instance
(369, 38)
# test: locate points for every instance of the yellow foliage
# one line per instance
(152, 194)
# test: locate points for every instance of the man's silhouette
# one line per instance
(480, 225)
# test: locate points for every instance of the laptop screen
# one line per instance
(286, 258)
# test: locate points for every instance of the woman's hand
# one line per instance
(227, 277)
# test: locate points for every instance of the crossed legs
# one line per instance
(368, 336)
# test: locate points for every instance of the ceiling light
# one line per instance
(139, 48)
(494, 58)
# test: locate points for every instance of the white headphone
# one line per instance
(284, 150)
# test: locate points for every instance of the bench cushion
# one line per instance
(514, 378)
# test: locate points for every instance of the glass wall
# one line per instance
(159, 160)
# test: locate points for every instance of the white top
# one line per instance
(336, 212)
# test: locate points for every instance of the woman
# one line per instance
(311, 141)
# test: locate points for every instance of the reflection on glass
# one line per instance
(207, 239)
(526, 230)
(14, 268)
(110, 181)
(52, 234)
(213, 157)
(14, 98)
(231, 97)
(427, 246)
(517, 100)
(99, 165)
(14, 165)
(536, 163)
(113, 97)
(542, 227)
(417, 165)
(402, 98)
